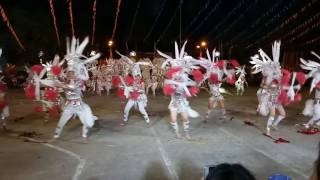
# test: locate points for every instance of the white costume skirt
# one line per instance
(182, 106)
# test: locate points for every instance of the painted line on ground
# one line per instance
(164, 156)
(297, 171)
(80, 166)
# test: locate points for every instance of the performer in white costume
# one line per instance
(77, 73)
(241, 81)
(134, 90)
(312, 107)
(275, 88)
(179, 86)
(216, 70)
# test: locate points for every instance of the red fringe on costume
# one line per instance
(193, 90)
(220, 64)
(172, 71)
(51, 94)
(301, 78)
(231, 80)
(283, 98)
(168, 89)
(121, 93)
(129, 80)
(134, 95)
(197, 75)
(234, 63)
(56, 70)
(116, 81)
(30, 92)
(36, 68)
(214, 78)
(286, 75)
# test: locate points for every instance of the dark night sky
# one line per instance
(243, 21)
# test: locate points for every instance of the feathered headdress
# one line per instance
(134, 66)
(54, 67)
(270, 68)
(313, 68)
(76, 60)
(181, 59)
(182, 66)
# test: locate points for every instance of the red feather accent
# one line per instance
(283, 98)
(54, 110)
(116, 81)
(286, 75)
(193, 90)
(301, 78)
(234, 63)
(38, 108)
(51, 94)
(129, 80)
(30, 92)
(231, 80)
(214, 78)
(56, 70)
(3, 104)
(36, 68)
(220, 64)
(297, 97)
(197, 75)
(168, 89)
(121, 93)
(172, 71)
(3, 87)
(134, 95)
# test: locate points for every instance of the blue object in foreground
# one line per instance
(279, 177)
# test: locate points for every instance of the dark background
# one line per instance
(236, 27)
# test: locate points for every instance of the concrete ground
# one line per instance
(138, 152)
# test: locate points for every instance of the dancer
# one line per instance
(241, 81)
(77, 73)
(275, 89)
(134, 90)
(312, 107)
(153, 84)
(215, 73)
(179, 86)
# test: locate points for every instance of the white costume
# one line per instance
(215, 72)
(179, 86)
(241, 81)
(312, 107)
(275, 89)
(74, 105)
(134, 91)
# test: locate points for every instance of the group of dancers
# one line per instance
(58, 85)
